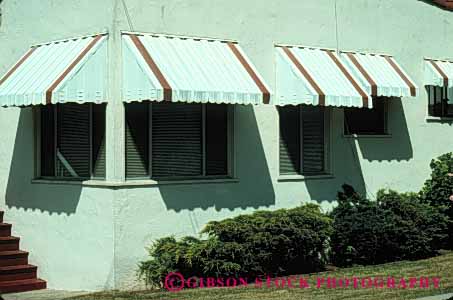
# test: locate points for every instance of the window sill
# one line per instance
(367, 136)
(133, 183)
(439, 119)
(284, 178)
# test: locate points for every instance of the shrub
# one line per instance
(438, 189)
(277, 242)
(394, 227)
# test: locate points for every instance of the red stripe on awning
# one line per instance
(401, 74)
(252, 73)
(364, 73)
(17, 65)
(153, 66)
(349, 77)
(441, 72)
(69, 68)
(300, 67)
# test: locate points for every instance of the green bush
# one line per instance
(281, 242)
(438, 189)
(394, 227)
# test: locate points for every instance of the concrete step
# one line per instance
(8, 243)
(13, 258)
(17, 286)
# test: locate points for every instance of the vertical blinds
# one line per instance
(176, 140)
(137, 136)
(289, 140)
(313, 152)
(302, 145)
(187, 140)
(73, 140)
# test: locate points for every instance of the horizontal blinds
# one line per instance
(73, 140)
(98, 157)
(47, 140)
(313, 152)
(289, 139)
(176, 140)
(137, 137)
(216, 139)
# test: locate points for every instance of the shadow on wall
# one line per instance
(254, 189)
(398, 146)
(344, 161)
(20, 192)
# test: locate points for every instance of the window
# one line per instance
(303, 140)
(72, 141)
(177, 140)
(365, 121)
(438, 102)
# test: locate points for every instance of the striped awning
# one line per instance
(182, 69)
(72, 70)
(316, 77)
(438, 73)
(379, 75)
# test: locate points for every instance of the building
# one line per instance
(86, 190)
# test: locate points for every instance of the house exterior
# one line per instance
(89, 186)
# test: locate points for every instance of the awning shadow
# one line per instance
(20, 191)
(398, 145)
(253, 189)
(344, 164)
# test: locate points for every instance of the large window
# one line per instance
(177, 140)
(365, 121)
(72, 141)
(303, 140)
(438, 102)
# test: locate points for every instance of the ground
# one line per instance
(440, 267)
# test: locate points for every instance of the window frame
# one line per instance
(386, 132)
(38, 149)
(328, 170)
(230, 149)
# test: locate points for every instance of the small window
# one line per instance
(303, 140)
(365, 121)
(177, 140)
(72, 139)
(439, 104)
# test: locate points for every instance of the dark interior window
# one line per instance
(438, 102)
(366, 121)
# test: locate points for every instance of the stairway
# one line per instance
(16, 275)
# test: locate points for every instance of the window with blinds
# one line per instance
(176, 140)
(72, 141)
(302, 140)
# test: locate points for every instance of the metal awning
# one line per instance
(438, 73)
(182, 69)
(315, 76)
(379, 75)
(72, 70)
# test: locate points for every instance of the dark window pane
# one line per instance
(216, 139)
(176, 140)
(47, 140)
(137, 136)
(98, 140)
(313, 144)
(364, 120)
(289, 139)
(73, 140)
